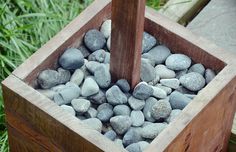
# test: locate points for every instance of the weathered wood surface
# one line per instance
(182, 11)
(217, 22)
(126, 40)
(45, 124)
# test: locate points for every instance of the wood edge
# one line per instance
(174, 129)
(219, 53)
(186, 10)
(60, 38)
(52, 110)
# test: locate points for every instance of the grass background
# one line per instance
(25, 25)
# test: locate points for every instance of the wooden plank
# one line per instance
(196, 129)
(182, 11)
(217, 23)
(126, 39)
(45, 124)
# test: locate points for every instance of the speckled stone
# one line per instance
(137, 118)
(178, 62)
(122, 110)
(81, 105)
(94, 40)
(174, 113)
(199, 68)
(152, 130)
(178, 100)
(102, 76)
(115, 96)
(142, 91)
(121, 124)
(89, 87)
(209, 75)
(163, 72)
(148, 108)
(172, 83)
(159, 54)
(68, 109)
(161, 109)
(94, 123)
(148, 42)
(123, 85)
(136, 104)
(106, 28)
(192, 81)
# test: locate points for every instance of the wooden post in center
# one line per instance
(126, 39)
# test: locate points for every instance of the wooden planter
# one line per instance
(35, 123)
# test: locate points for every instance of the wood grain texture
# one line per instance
(126, 40)
(204, 125)
(182, 11)
(45, 124)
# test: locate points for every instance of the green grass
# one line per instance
(25, 25)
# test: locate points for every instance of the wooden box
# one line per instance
(35, 123)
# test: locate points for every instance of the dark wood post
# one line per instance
(126, 39)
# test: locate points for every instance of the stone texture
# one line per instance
(91, 113)
(47, 92)
(199, 68)
(105, 112)
(71, 59)
(172, 83)
(84, 51)
(131, 136)
(123, 85)
(98, 55)
(121, 124)
(148, 108)
(178, 100)
(178, 62)
(152, 130)
(102, 76)
(159, 93)
(163, 72)
(148, 42)
(136, 104)
(111, 134)
(94, 123)
(147, 72)
(137, 118)
(115, 96)
(106, 28)
(161, 109)
(133, 148)
(48, 79)
(77, 77)
(94, 40)
(98, 98)
(142, 91)
(192, 81)
(89, 87)
(68, 109)
(209, 75)
(174, 113)
(159, 54)
(81, 105)
(122, 110)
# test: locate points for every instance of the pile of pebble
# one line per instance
(131, 118)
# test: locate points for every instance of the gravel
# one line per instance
(148, 42)
(178, 62)
(81, 105)
(136, 104)
(91, 113)
(172, 83)
(47, 92)
(133, 148)
(84, 51)
(209, 75)
(71, 59)
(131, 136)
(102, 76)
(161, 109)
(123, 85)
(168, 90)
(66, 95)
(121, 124)
(91, 66)
(163, 72)
(94, 40)
(105, 112)
(192, 81)
(98, 55)
(111, 134)
(199, 68)
(115, 96)
(89, 87)
(152, 130)
(106, 28)
(68, 109)
(159, 93)
(159, 54)
(137, 118)
(77, 77)
(64, 75)
(148, 108)
(142, 91)
(122, 110)
(178, 100)
(147, 72)
(48, 79)
(98, 98)
(174, 113)
(94, 123)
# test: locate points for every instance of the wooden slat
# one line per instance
(182, 11)
(45, 121)
(126, 40)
